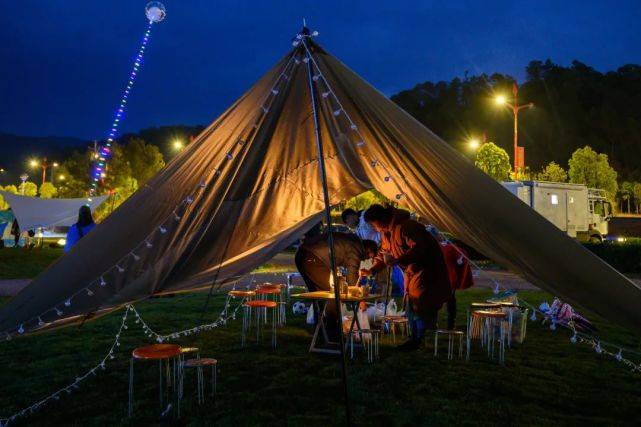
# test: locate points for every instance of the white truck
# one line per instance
(582, 212)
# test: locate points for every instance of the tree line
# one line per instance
(133, 162)
(581, 118)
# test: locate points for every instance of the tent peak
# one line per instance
(305, 32)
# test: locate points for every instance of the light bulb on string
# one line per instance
(102, 282)
(619, 356)
(155, 12)
(325, 94)
(68, 303)
(147, 244)
(573, 338)
(162, 230)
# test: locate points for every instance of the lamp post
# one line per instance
(515, 108)
(34, 163)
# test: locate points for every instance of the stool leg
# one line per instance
(214, 368)
(131, 386)
(460, 346)
(435, 344)
(450, 348)
(274, 317)
(467, 338)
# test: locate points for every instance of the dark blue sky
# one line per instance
(63, 63)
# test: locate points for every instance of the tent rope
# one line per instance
(577, 335)
(222, 320)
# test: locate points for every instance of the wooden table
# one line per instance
(320, 299)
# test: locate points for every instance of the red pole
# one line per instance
(44, 170)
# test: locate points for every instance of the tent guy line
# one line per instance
(341, 110)
(221, 320)
(146, 244)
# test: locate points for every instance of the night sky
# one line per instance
(64, 63)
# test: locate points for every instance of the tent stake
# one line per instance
(328, 219)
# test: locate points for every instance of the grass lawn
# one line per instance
(545, 380)
(25, 264)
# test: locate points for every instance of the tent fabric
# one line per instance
(249, 186)
(34, 212)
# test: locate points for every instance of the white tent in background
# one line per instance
(34, 212)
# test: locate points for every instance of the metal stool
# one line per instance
(159, 352)
(489, 321)
(392, 322)
(451, 335)
(369, 340)
(261, 307)
(275, 293)
(200, 364)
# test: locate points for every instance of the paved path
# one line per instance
(285, 261)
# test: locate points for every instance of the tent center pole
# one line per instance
(328, 219)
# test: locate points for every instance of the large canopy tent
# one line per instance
(249, 185)
(35, 212)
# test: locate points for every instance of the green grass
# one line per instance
(545, 380)
(24, 264)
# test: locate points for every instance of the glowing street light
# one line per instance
(61, 177)
(178, 145)
(35, 163)
(515, 108)
(474, 144)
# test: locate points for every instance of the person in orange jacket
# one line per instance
(407, 243)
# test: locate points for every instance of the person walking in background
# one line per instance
(407, 243)
(80, 229)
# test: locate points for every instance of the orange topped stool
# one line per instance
(261, 307)
(274, 291)
(199, 364)
(159, 352)
(489, 322)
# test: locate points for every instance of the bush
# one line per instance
(625, 257)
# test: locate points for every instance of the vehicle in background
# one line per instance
(582, 212)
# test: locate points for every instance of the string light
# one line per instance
(155, 12)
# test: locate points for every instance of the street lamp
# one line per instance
(474, 144)
(61, 177)
(34, 163)
(519, 160)
(178, 145)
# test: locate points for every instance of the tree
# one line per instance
(365, 200)
(593, 169)
(30, 189)
(48, 191)
(494, 161)
(553, 172)
(144, 160)
(636, 191)
(626, 193)
(76, 170)
(3, 204)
